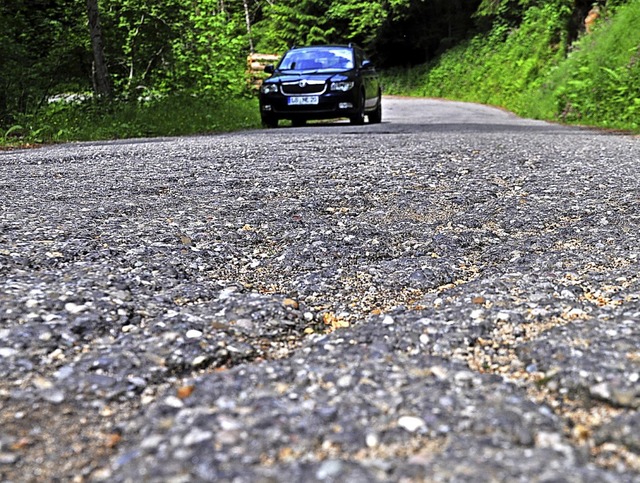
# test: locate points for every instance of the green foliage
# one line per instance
(360, 19)
(42, 45)
(501, 11)
(175, 46)
(139, 36)
(394, 32)
(210, 57)
(305, 22)
(498, 67)
(293, 22)
(527, 70)
(599, 83)
(12, 131)
(168, 116)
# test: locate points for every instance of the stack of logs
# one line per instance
(255, 68)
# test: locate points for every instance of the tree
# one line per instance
(417, 32)
(295, 22)
(395, 32)
(101, 83)
(247, 18)
(42, 53)
(209, 56)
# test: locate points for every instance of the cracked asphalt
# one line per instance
(451, 295)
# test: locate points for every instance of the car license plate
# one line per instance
(304, 101)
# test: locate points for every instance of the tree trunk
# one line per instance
(101, 84)
(4, 112)
(247, 18)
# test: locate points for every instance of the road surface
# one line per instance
(451, 295)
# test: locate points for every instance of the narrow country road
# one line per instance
(451, 295)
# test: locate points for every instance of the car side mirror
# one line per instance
(269, 69)
(366, 64)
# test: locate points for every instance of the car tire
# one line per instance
(358, 118)
(375, 117)
(270, 122)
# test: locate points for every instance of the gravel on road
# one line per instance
(451, 295)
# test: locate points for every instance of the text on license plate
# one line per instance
(303, 101)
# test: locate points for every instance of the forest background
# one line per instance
(105, 69)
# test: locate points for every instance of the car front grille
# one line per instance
(303, 87)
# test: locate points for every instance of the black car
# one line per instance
(321, 82)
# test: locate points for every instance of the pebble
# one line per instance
(196, 436)
(53, 396)
(345, 381)
(7, 352)
(372, 440)
(151, 442)
(329, 469)
(193, 334)
(411, 423)
(173, 402)
(8, 458)
(75, 308)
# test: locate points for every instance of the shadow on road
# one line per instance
(392, 127)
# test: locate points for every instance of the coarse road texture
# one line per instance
(451, 295)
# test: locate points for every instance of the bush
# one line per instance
(167, 116)
(599, 83)
(493, 68)
(526, 69)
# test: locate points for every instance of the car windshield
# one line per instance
(316, 59)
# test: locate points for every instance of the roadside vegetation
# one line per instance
(543, 66)
(172, 115)
(105, 69)
(108, 69)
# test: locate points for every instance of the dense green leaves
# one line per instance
(139, 41)
(600, 80)
(293, 22)
(42, 47)
(534, 69)
(209, 57)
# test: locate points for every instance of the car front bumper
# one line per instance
(330, 105)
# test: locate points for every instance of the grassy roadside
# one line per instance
(170, 116)
(534, 71)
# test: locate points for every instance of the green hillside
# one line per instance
(535, 70)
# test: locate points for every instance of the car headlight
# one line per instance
(269, 89)
(343, 86)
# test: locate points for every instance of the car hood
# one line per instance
(284, 78)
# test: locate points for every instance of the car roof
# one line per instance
(328, 46)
